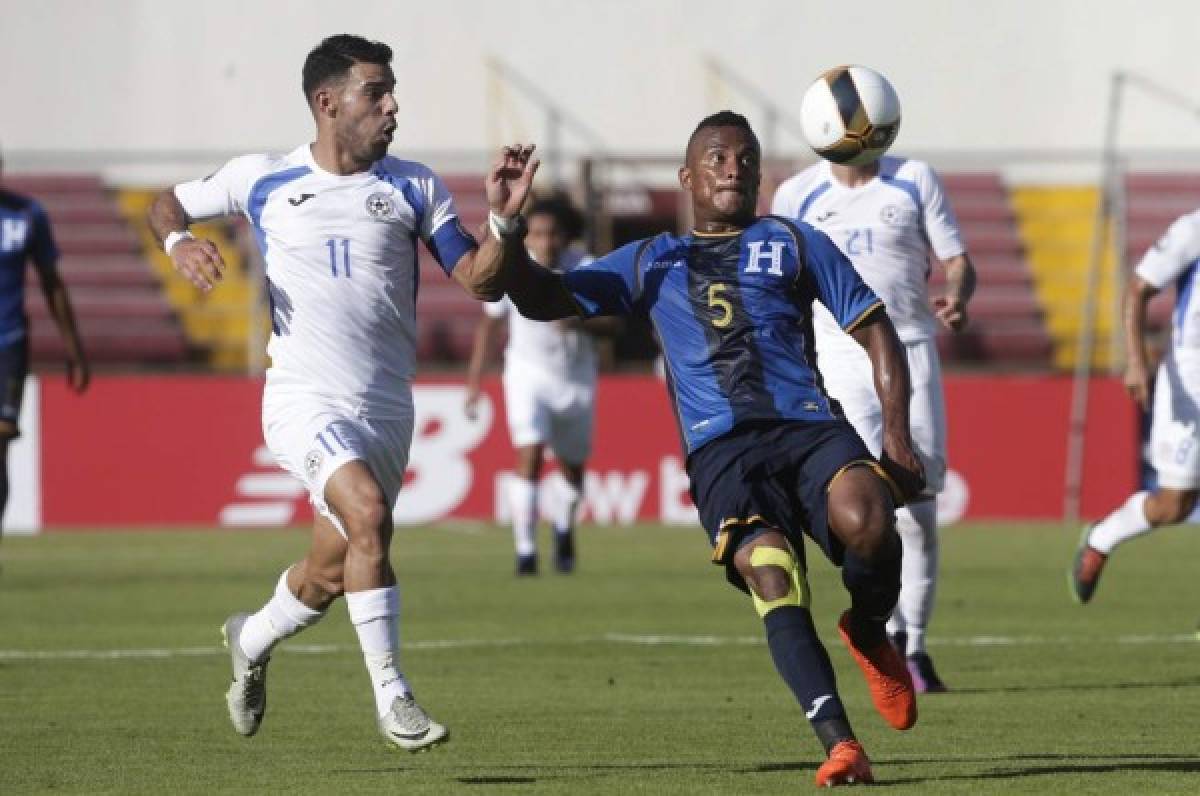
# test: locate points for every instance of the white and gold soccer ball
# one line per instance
(850, 115)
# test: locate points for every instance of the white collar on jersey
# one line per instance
(311, 162)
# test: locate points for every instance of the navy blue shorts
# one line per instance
(772, 476)
(14, 367)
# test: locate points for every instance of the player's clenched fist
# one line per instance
(1137, 382)
(199, 261)
(904, 468)
(952, 313)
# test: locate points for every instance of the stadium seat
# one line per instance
(123, 316)
(1007, 326)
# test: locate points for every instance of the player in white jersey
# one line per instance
(337, 223)
(887, 217)
(1175, 425)
(549, 390)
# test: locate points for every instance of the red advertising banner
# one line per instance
(154, 451)
(1008, 441)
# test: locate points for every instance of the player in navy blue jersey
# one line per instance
(25, 236)
(769, 455)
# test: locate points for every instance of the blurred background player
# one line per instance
(887, 216)
(26, 237)
(1175, 422)
(337, 222)
(549, 389)
(768, 456)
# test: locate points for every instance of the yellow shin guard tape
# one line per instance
(798, 593)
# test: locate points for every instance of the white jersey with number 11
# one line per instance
(341, 267)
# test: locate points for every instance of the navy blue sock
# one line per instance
(804, 665)
(874, 588)
(3, 487)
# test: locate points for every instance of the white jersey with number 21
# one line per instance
(887, 227)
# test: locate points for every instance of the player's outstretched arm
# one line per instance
(1137, 369)
(951, 306)
(484, 271)
(890, 367)
(502, 264)
(539, 293)
(198, 260)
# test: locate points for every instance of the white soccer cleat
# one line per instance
(408, 726)
(247, 694)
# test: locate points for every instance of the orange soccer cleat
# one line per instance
(887, 676)
(1085, 569)
(847, 765)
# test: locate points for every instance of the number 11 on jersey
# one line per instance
(332, 245)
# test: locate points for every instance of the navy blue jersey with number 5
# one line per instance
(733, 314)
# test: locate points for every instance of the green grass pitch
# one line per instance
(641, 673)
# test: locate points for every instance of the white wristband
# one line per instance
(501, 226)
(174, 237)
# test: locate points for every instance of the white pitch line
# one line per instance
(683, 641)
(194, 652)
(650, 640)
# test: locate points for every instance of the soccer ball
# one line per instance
(850, 115)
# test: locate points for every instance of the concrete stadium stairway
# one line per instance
(122, 315)
(217, 323)
(1056, 224)
(1006, 324)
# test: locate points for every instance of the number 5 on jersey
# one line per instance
(722, 304)
(333, 244)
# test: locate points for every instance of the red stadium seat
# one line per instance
(122, 313)
(1007, 324)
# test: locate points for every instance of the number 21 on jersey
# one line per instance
(858, 242)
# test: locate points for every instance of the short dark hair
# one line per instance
(720, 119)
(564, 213)
(334, 57)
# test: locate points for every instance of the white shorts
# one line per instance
(554, 413)
(1174, 441)
(311, 438)
(848, 378)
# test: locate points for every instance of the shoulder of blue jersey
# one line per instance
(398, 167)
(905, 168)
(801, 182)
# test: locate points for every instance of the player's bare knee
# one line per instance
(1172, 506)
(772, 573)
(863, 526)
(741, 558)
(366, 515)
(769, 582)
(860, 511)
(370, 544)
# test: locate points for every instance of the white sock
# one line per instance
(917, 526)
(566, 508)
(1122, 525)
(524, 496)
(282, 617)
(375, 614)
(916, 640)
